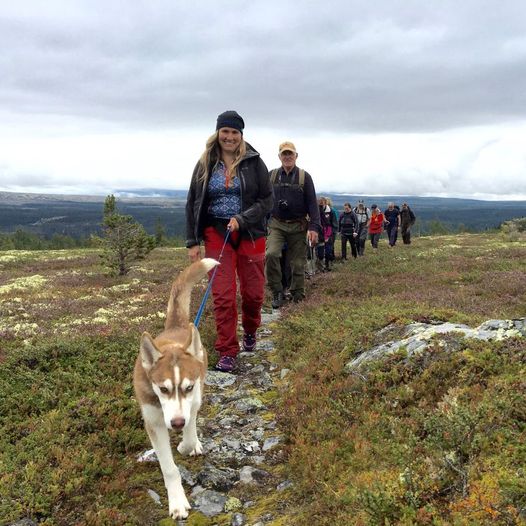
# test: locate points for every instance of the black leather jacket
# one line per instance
(256, 200)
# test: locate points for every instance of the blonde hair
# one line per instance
(212, 155)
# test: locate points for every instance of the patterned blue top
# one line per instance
(224, 202)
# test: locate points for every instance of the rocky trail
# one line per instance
(238, 473)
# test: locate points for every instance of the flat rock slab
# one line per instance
(418, 337)
(220, 379)
(209, 503)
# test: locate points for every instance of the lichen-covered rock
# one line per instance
(217, 479)
(210, 503)
(232, 504)
(238, 519)
(270, 443)
(419, 336)
(220, 379)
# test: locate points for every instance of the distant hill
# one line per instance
(80, 215)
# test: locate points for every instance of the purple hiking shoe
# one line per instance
(226, 364)
(249, 342)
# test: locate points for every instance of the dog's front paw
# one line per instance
(190, 449)
(179, 507)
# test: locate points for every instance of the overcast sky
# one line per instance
(383, 97)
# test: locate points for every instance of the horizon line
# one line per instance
(161, 193)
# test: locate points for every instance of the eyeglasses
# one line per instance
(287, 153)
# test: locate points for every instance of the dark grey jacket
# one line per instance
(256, 200)
(301, 201)
(348, 223)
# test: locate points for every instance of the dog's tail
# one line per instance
(178, 312)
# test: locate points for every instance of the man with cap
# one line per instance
(295, 220)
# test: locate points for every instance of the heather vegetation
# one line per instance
(437, 439)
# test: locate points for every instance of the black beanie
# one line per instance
(230, 119)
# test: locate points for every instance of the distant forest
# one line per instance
(80, 217)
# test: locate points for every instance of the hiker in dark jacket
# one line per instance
(407, 220)
(363, 215)
(231, 190)
(392, 223)
(348, 228)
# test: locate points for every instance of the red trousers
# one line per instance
(247, 262)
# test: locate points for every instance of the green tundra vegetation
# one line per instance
(437, 439)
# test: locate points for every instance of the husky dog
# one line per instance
(169, 379)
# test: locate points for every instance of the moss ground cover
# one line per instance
(436, 441)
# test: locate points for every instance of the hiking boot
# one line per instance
(296, 298)
(249, 342)
(226, 364)
(277, 300)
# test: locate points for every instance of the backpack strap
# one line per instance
(301, 178)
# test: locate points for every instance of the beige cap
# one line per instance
(287, 147)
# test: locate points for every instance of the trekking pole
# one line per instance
(312, 260)
(208, 288)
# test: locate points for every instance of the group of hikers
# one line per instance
(354, 225)
(268, 227)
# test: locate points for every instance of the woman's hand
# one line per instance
(233, 225)
(194, 253)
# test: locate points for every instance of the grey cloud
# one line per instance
(339, 66)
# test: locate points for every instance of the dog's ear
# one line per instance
(149, 353)
(195, 348)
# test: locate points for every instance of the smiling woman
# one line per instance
(229, 198)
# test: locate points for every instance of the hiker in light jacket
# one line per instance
(363, 214)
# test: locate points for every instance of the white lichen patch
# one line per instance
(9, 256)
(137, 299)
(149, 317)
(94, 296)
(24, 283)
(101, 319)
(24, 329)
(67, 273)
(143, 270)
(123, 286)
(6, 258)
